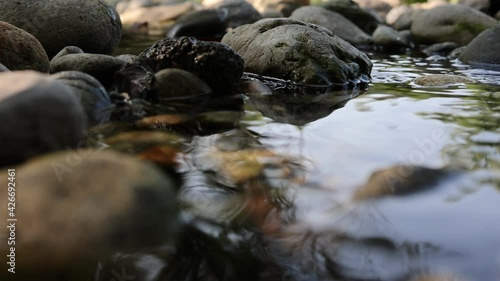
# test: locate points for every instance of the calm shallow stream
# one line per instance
(450, 227)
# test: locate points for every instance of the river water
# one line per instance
(328, 146)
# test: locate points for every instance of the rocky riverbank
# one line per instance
(110, 150)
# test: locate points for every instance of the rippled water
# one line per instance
(451, 227)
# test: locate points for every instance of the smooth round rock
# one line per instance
(441, 80)
(68, 50)
(19, 50)
(298, 51)
(440, 48)
(82, 206)
(102, 67)
(91, 25)
(94, 98)
(217, 64)
(178, 83)
(388, 37)
(484, 48)
(39, 115)
(352, 11)
(449, 23)
(333, 21)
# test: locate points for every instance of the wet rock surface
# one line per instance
(19, 50)
(217, 64)
(300, 52)
(450, 23)
(91, 25)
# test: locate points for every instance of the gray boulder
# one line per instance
(352, 11)
(19, 50)
(102, 67)
(298, 51)
(449, 23)
(97, 202)
(484, 48)
(215, 63)
(39, 115)
(91, 25)
(388, 37)
(94, 98)
(333, 21)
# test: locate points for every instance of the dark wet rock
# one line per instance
(91, 25)
(352, 11)
(217, 64)
(68, 50)
(19, 50)
(406, 34)
(438, 80)
(102, 67)
(440, 48)
(94, 98)
(214, 22)
(484, 48)
(277, 8)
(388, 37)
(450, 23)
(98, 202)
(298, 51)
(333, 21)
(173, 83)
(39, 115)
(3, 68)
(299, 109)
(136, 80)
(399, 180)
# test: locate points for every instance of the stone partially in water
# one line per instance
(19, 50)
(39, 115)
(439, 80)
(333, 21)
(217, 64)
(298, 51)
(450, 23)
(399, 180)
(91, 25)
(83, 206)
(484, 48)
